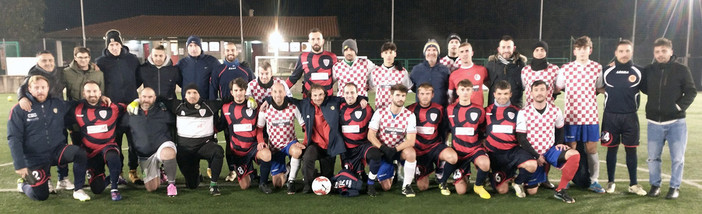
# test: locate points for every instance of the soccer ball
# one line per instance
(321, 185)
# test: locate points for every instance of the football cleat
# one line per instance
(265, 188)
(444, 189)
(51, 187)
(480, 190)
(610, 187)
(291, 187)
(64, 184)
(134, 177)
(209, 173)
(637, 189)
(81, 195)
(519, 190)
(408, 191)
(20, 183)
(172, 190)
(116, 196)
(564, 196)
(371, 191)
(547, 185)
(231, 177)
(214, 190)
(597, 188)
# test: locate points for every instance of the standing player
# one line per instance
(540, 132)
(230, 70)
(389, 74)
(37, 141)
(151, 125)
(315, 66)
(393, 130)
(505, 154)
(277, 118)
(507, 65)
(620, 123)
(98, 126)
(158, 73)
(466, 121)
(354, 130)
(197, 68)
(580, 79)
(539, 69)
(431, 133)
(246, 141)
(475, 73)
(260, 88)
(452, 60)
(352, 69)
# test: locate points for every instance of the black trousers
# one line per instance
(326, 163)
(189, 157)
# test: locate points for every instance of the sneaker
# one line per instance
(20, 184)
(519, 190)
(51, 187)
(265, 188)
(172, 190)
(408, 191)
(64, 184)
(637, 189)
(444, 189)
(307, 189)
(231, 176)
(80, 195)
(121, 181)
(480, 190)
(291, 187)
(611, 186)
(209, 173)
(547, 185)
(116, 196)
(655, 191)
(597, 188)
(673, 193)
(564, 196)
(371, 191)
(134, 177)
(214, 190)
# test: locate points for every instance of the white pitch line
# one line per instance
(5, 164)
(663, 175)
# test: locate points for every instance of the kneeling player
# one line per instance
(393, 130)
(466, 122)
(153, 143)
(540, 131)
(431, 132)
(278, 118)
(246, 139)
(354, 130)
(505, 154)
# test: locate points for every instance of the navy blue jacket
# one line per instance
(438, 77)
(198, 70)
(219, 83)
(33, 135)
(120, 75)
(330, 110)
(150, 129)
(622, 83)
(163, 80)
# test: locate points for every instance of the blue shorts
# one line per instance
(278, 159)
(582, 133)
(539, 176)
(386, 171)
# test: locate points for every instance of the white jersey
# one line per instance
(540, 128)
(547, 75)
(392, 130)
(450, 63)
(279, 125)
(258, 92)
(382, 78)
(580, 82)
(357, 73)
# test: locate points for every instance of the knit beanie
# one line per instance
(113, 35)
(541, 44)
(432, 43)
(452, 37)
(349, 43)
(194, 39)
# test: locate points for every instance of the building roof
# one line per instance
(164, 27)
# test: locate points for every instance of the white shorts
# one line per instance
(152, 165)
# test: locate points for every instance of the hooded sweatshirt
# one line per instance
(163, 79)
(120, 75)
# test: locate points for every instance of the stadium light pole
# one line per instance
(633, 29)
(392, 22)
(689, 31)
(541, 19)
(241, 24)
(82, 21)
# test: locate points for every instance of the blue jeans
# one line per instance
(676, 135)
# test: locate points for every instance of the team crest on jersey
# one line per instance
(332, 108)
(182, 113)
(249, 112)
(477, 77)
(433, 116)
(103, 114)
(358, 114)
(473, 116)
(197, 106)
(326, 62)
(202, 112)
(510, 115)
(55, 111)
(632, 78)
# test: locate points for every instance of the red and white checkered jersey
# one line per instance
(580, 82)
(393, 129)
(279, 124)
(357, 73)
(540, 128)
(255, 90)
(382, 78)
(450, 63)
(477, 75)
(548, 75)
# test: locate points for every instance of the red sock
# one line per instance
(568, 171)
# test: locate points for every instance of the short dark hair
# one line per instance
(538, 83)
(425, 85)
(265, 65)
(506, 38)
(239, 82)
(315, 30)
(91, 82)
(79, 49)
(502, 85)
(44, 52)
(582, 41)
(160, 47)
(398, 87)
(663, 42)
(351, 84)
(388, 46)
(465, 83)
(316, 86)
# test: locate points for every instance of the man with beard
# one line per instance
(197, 68)
(230, 70)
(315, 66)
(352, 69)
(452, 60)
(507, 65)
(260, 88)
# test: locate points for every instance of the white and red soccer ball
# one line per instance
(321, 185)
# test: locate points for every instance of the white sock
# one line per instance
(372, 176)
(409, 172)
(294, 166)
(593, 163)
